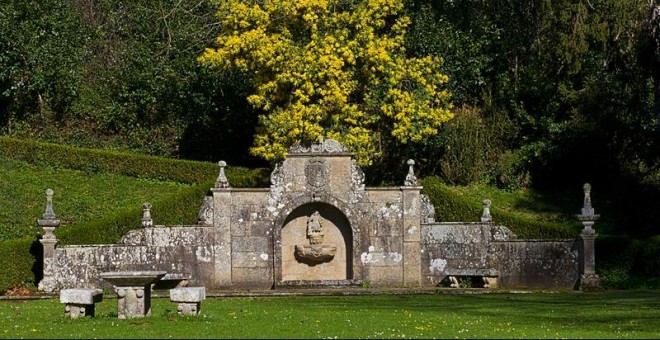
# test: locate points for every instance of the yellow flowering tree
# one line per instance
(330, 69)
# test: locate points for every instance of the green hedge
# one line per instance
(127, 164)
(176, 210)
(450, 207)
(18, 263)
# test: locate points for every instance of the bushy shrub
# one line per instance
(476, 149)
(464, 159)
(511, 171)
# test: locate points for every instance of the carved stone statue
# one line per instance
(314, 229)
(316, 251)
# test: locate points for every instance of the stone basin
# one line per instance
(132, 278)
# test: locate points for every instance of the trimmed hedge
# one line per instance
(127, 164)
(451, 207)
(19, 263)
(176, 210)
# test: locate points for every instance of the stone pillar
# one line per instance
(589, 280)
(221, 221)
(412, 247)
(49, 222)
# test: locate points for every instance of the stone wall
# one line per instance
(184, 250)
(454, 247)
(316, 225)
(537, 263)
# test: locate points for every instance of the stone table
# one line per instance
(133, 291)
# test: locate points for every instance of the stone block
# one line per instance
(188, 299)
(188, 294)
(80, 302)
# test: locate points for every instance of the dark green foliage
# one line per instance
(579, 82)
(41, 56)
(120, 75)
(18, 262)
(624, 262)
(451, 207)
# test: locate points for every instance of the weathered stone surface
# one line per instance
(251, 259)
(81, 296)
(536, 264)
(188, 294)
(477, 247)
(250, 244)
(252, 277)
(385, 276)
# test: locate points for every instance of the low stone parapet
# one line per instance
(80, 302)
(188, 299)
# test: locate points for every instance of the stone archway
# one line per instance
(317, 244)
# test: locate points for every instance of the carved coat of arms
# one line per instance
(316, 174)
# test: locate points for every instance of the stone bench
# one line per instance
(188, 299)
(488, 276)
(80, 302)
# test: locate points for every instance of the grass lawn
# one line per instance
(605, 314)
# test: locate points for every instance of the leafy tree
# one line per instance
(40, 58)
(331, 69)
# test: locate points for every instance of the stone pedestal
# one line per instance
(133, 291)
(48, 282)
(49, 223)
(589, 280)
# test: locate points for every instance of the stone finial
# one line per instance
(49, 214)
(411, 180)
(146, 215)
(587, 209)
(222, 181)
(49, 221)
(485, 216)
(587, 213)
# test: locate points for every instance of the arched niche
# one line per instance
(336, 232)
